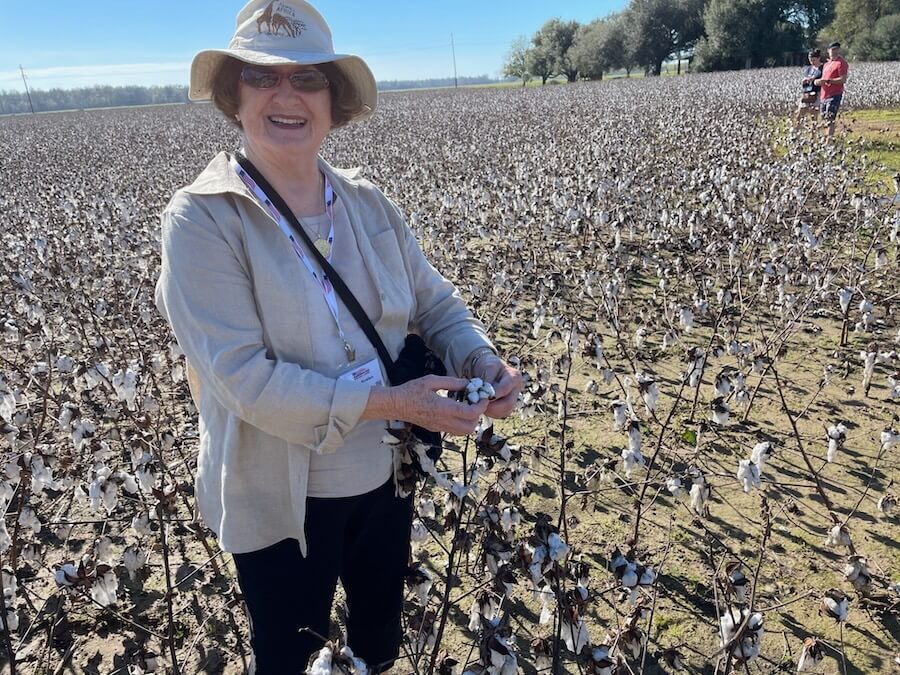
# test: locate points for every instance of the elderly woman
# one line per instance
(292, 475)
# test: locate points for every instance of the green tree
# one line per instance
(517, 61)
(540, 62)
(747, 33)
(852, 17)
(857, 18)
(599, 47)
(812, 16)
(550, 51)
(881, 43)
(659, 28)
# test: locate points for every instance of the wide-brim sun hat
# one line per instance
(283, 32)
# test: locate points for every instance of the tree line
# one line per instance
(101, 96)
(98, 96)
(710, 34)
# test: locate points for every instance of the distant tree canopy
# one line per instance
(713, 34)
(869, 30)
(98, 96)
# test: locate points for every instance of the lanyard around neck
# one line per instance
(319, 275)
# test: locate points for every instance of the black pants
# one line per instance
(364, 541)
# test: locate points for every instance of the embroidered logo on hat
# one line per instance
(278, 15)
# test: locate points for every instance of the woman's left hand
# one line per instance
(507, 383)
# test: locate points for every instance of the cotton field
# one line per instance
(702, 475)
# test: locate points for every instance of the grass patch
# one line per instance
(876, 134)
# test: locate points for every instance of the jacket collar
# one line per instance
(218, 177)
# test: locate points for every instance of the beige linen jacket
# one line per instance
(252, 322)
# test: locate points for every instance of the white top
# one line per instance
(363, 463)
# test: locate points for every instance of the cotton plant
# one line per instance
(748, 474)
(700, 493)
(838, 536)
(886, 504)
(631, 455)
(747, 642)
(420, 582)
(736, 581)
(334, 659)
(856, 571)
(649, 391)
(836, 435)
(125, 384)
(835, 605)
(720, 412)
(134, 559)
(631, 575)
(812, 654)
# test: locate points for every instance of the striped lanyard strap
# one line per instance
(325, 246)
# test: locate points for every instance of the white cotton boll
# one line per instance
(7, 404)
(675, 487)
(146, 478)
(720, 413)
(103, 551)
(630, 576)
(128, 482)
(28, 518)
(558, 549)
(889, 438)
(647, 577)
(699, 495)
(845, 295)
(82, 432)
(6, 493)
(649, 390)
(5, 539)
(65, 364)
(686, 318)
(134, 558)
(748, 475)
(322, 663)
(836, 605)
(761, 453)
(41, 476)
(837, 435)
(575, 635)
(886, 504)
(65, 575)
(419, 531)
(426, 508)
(838, 536)
(12, 618)
(104, 589)
(125, 385)
(510, 518)
(359, 666)
(67, 413)
(619, 411)
(548, 602)
(141, 524)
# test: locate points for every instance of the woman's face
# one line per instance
(281, 121)
(814, 60)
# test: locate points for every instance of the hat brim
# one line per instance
(205, 63)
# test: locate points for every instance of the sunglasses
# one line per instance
(301, 80)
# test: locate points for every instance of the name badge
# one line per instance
(368, 373)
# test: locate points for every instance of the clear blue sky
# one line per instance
(73, 43)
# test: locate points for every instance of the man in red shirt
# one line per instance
(834, 75)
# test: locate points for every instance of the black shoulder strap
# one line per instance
(346, 294)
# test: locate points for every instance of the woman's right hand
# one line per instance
(418, 403)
